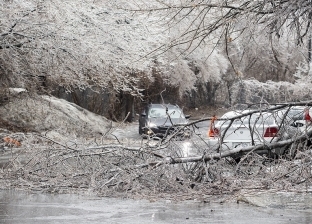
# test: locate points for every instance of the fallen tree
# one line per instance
(108, 165)
(149, 170)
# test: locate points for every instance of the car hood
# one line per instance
(168, 122)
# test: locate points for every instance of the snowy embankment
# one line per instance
(52, 117)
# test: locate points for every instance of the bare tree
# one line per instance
(258, 26)
(235, 16)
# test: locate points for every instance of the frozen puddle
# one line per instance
(21, 207)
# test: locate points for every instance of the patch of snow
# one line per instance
(17, 90)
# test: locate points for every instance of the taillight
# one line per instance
(271, 132)
(213, 132)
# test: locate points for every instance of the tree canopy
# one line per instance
(114, 44)
(243, 27)
(72, 43)
(85, 44)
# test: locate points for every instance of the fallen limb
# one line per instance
(232, 152)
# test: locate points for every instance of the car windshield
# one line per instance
(161, 113)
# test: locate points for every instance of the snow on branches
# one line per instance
(252, 91)
(84, 44)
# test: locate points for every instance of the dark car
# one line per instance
(161, 119)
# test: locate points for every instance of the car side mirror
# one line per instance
(296, 124)
(293, 124)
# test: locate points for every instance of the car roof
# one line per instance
(298, 107)
(231, 114)
(158, 105)
(235, 113)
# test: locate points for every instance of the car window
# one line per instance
(292, 114)
(296, 114)
(265, 118)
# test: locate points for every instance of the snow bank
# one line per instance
(46, 114)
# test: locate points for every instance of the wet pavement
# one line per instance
(131, 130)
(18, 207)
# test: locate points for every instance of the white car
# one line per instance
(240, 129)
